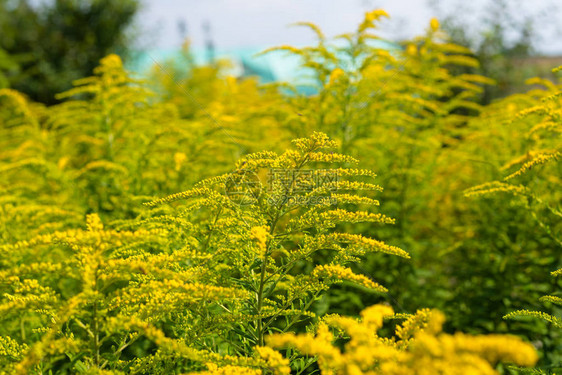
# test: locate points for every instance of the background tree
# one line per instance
(501, 37)
(59, 41)
(7, 64)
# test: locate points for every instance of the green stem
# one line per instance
(95, 342)
(260, 301)
(260, 295)
(208, 239)
(306, 307)
(260, 330)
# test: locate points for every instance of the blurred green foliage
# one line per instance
(7, 65)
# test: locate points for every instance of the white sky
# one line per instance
(264, 23)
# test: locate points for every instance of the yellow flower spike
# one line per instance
(434, 24)
(259, 235)
(94, 223)
(373, 316)
(324, 334)
(316, 345)
(112, 60)
(376, 14)
(370, 17)
(339, 273)
(353, 369)
(429, 351)
(435, 322)
(275, 361)
(63, 162)
(538, 159)
(335, 76)
(179, 159)
(232, 86)
(213, 369)
(411, 50)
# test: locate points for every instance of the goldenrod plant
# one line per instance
(364, 83)
(58, 291)
(144, 230)
(35, 193)
(256, 226)
(117, 153)
(532, 181)
(91, 294)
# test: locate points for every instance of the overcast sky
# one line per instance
(264, 23)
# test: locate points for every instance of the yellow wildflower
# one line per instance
(274, 360)
(179, 159)
(340, 273)
(259, 236)
(335, 76)
(434, 24)
(375, 15)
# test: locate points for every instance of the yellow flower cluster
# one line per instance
(76, 236)
(335, 76)
(365, 243)
(331, 158)
(183, 195)
(495, 187)
(94, 223)
(354, 199)
(429, 351)
(179, 158)
(315, 142)
(376, 14)
(154, 298)
(352, 185)
(275, 361)
(434, 24)
(213, 369)
(417, 323)
(341, 215)
(340, 273)
(319, 345)
(9, 347)
(555, 321)
(260, 235)
(537, 160)
(370, 18)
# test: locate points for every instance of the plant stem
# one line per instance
(260, 301)
(95, 328)
(260, 296)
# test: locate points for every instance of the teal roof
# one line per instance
(275, 66)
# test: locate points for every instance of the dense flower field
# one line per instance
(196, 223)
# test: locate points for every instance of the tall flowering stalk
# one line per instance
(258, 227)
